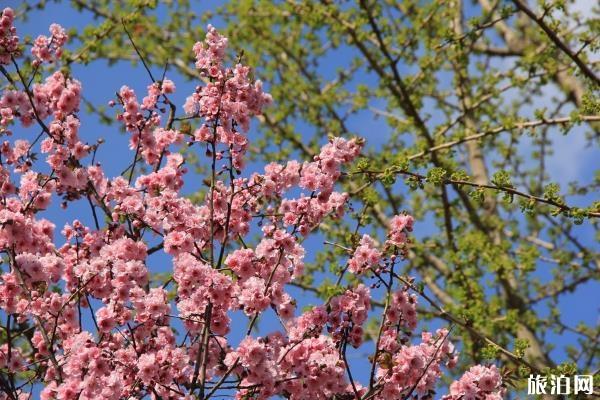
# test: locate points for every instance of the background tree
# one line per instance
(463, 106)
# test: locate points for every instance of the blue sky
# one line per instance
(571, 161)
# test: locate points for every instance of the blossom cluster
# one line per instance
(348, 312)
(365, 256)
(101, 324)
(9, 41)
(400, 226)
(403, 309)
(227, 101)
(478, 382)
(48, 49)
(416, 367)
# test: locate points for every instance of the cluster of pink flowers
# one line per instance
(318, 368)
(403, 309)
(309, 324)
(400, 225)
(227, 101)
(479, 382)
(17, 156)
(14, 363)
(9, 41)
(155, 90)
(13, 103)
(321, 174)
(262, 273)
(348, 312)
(415, 368)
(48, 49)
(365, 256)
(58, 95)
(278, 179)
(318, 176)
(198, 286)
(211, 53)
(102, 327)
(146, 135)
(256, 360)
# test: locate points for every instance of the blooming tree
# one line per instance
(101, 272)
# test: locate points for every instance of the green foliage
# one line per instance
(520, 347)
(490, 352)
(436, 175)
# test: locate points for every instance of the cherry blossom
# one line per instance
(104, 326)
(48, 49)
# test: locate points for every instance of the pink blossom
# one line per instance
(9, 41)
(478, 382)
(48, 49)
(365, 256)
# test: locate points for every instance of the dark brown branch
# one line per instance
(558, 42)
